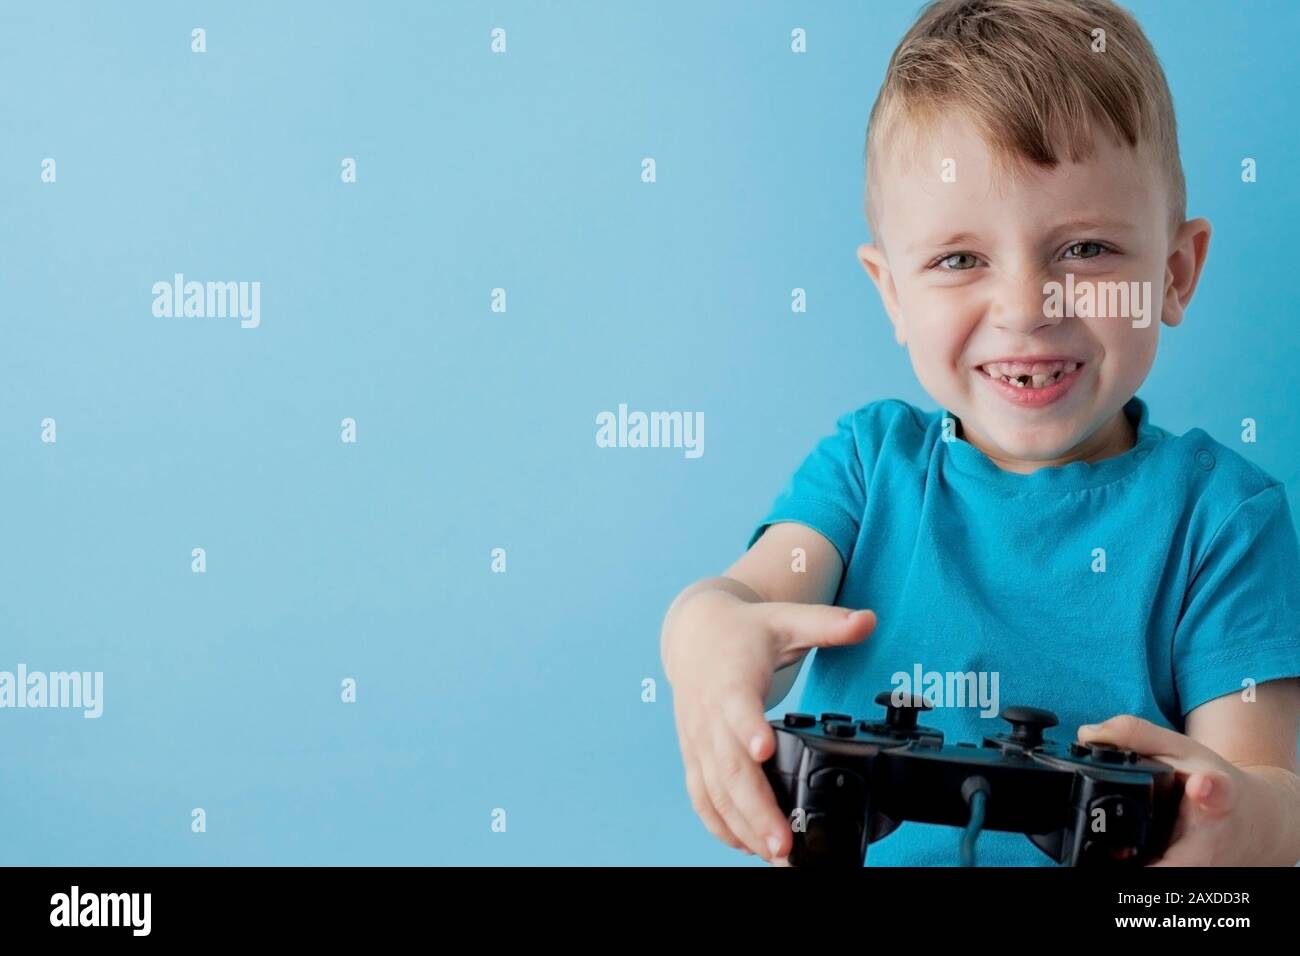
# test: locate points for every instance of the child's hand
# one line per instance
(1213, 826)
(723, 662)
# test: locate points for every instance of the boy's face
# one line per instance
(965, 271)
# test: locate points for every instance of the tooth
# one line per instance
(1039, 380)
(1070, 367)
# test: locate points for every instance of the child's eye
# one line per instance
(958, 261)
(1076, 250)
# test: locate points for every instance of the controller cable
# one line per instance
(975, 791)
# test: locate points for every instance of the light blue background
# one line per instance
(476, 430)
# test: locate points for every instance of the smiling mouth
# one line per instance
(1029, 375)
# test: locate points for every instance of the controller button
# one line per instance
(832, 781)
(1028, 724)
(1109, 753)
(1102, 805)
(900, 712)
(841, 728)
(800, 720)
(831, 716)
(1114, 814)
(910, 701)
(1079, 750)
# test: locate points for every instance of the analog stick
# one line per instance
(902, 716)
(1028, 724)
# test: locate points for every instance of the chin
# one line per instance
(1039, 447)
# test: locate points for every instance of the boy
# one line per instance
(1038, 533)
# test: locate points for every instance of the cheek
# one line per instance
(937, 353)
(940, 325)
(1130, 352)
(1140, 356)
(939, 322)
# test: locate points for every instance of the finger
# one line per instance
(1187, 853)
(1152, 740)
(1213, 792)
(804, 626)
(1177, 852)
(751, 791)
(743, 711)
(693, 745)
(724, 774)
(1183, 853)
(716, 771)
(705, 811)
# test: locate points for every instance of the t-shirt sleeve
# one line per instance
(1241, 615)
(827, 492)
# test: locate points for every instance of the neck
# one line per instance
(1114, 438)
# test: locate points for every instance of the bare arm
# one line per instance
(724, 640)
(1237, 760)
(1259, 736)
(790, 562)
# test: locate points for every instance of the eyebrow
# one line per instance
(1072, 225)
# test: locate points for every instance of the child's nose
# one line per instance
(1019, 304)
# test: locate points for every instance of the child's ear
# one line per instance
(873, 260)
(1183, 268)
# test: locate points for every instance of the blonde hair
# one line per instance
(1025, 73)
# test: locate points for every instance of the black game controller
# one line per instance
(845, 783)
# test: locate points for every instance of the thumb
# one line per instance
(1148, 739)
(1212, 791)
(804, 626)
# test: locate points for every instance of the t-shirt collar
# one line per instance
(964, 458)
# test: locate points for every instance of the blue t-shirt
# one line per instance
(1148, 583)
